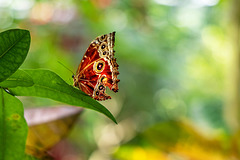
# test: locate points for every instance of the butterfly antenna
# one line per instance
(66, 67)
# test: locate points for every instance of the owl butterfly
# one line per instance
(98, 68)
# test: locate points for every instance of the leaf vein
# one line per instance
(17, 41)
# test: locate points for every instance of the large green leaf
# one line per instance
(49, 85)
(13, 133)
(14, 46)
(19, 78)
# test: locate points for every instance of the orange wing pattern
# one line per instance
(98, 68)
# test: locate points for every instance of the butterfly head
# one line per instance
(75, 84)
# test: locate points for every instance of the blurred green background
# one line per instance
(179, 74)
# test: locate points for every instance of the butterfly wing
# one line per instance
(98, 68)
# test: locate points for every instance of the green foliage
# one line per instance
(14, 46)
(19, 78)
(13, 127)
(49, 85)
(174, 62)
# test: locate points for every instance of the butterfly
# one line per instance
(98, 68)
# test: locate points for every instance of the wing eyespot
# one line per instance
(103, 50)
(97, 93)
(99, 66)
(101, 87)
(103, 47)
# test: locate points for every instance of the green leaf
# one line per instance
(49, 85)
(14, 46)
(13, 127)
(19, 78)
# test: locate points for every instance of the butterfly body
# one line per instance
(98, 68)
